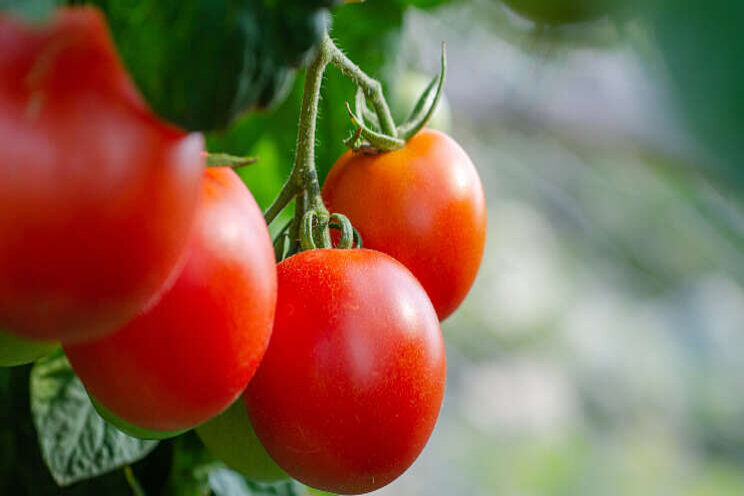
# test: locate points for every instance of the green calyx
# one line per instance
(371, 137)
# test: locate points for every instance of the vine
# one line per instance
(376, 132)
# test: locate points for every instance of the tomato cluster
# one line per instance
(159, 277)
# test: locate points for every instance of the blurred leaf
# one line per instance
(22, 469)
(76, 443)
(271, 138)
(563, 11)
(225, 482)
(425, 4)
(701, 44)
(190, 467)
(318, 492)
(31, 9)
(202, 62)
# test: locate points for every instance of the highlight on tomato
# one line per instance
(98, 195)
(187, 358)
(352, 383)
(422, 204)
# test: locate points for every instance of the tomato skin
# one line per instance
(18, 351)
(423, 205)
(351, 386)
(97, 196)
(190, 356)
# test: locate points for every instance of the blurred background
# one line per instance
(601, 350)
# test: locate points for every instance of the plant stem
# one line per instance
(132, 481)
(286, 195)
(303, 185)
(304, 177)
(371, 87)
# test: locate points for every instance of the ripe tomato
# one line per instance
(190, 356)
(562, 11)
(17, 351)
(97, 196)
(423, 205)
(351, 385)
(230, 438)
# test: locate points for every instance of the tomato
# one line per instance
(190, 356)
(562, 11)
(352, 383)
(230, 438)
(17, 351)
(423, 205)
(97, 196)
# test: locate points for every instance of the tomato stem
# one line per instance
(226, 160)
(302, 184)
(421, 114)
(371, 87)
(134, 485)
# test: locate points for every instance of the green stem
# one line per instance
(304, 177)
(303, 185)
(371, 87)
(286, 195)
(226, 160)
(132, 481)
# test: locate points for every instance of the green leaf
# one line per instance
(189, 468)
(700, 44)
(225, 482)
(200, 63)
(76, 443)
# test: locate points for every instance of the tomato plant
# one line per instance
(17, 351)
(164, 296)
(423, 204)
(350, 388)
(189, 356)
(94, 211)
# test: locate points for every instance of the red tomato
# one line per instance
(190, 356)
(352, 383)
(97, 196)
(423, 205)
